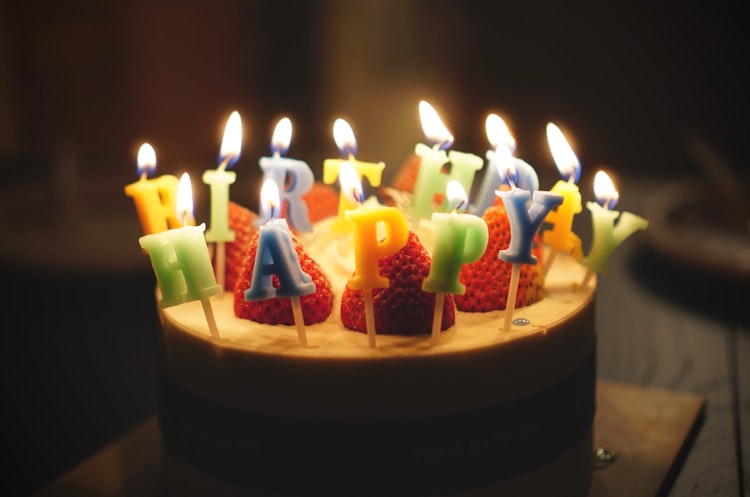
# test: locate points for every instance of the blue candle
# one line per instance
(498, 133)
(525, 223)
(276, 256)
(295, 175)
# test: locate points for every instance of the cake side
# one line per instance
(263, 368)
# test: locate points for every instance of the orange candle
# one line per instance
(155, 199)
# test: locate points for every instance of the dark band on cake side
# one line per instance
(408, 457)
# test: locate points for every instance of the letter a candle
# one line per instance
(523, 224)
(181, 261)
(219, 181)
(459, 239)
(607, 236)
(276, 256)
(367, 225)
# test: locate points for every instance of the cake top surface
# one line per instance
(563, 298)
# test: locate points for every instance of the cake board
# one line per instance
(647, 428)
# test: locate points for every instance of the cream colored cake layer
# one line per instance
(338, 376)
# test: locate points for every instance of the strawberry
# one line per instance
(487, 279)
(403, 308)
(407, 175)
(322, 201)
(316, 307)
(241, 220)
(402, 186)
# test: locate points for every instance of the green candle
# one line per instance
(608, 235)
(609, 231)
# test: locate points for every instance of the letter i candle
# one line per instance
(219, 181)
(523, 224)
(459, 239)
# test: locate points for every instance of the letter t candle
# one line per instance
(219, 181)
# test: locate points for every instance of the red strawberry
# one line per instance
(241, 220)
(403, 183)
(322, 201)
(316, 307)
(407, 175)
(487, 279)
(403, 308)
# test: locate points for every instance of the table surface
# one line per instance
(73, 388)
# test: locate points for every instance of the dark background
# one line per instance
(83, 83)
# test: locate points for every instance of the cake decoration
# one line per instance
(402, 308)
(487, 280)
(459, 239)
(346, 142)
(180, 259)
(281, 283)
(154, 198)
(242, 221)
(432, 178)
(377, 232)
(219, 180)
(294, 177)
(607, 236)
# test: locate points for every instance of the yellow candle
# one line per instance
(560, 236)
(368, 247)
(156, 198)
(373, 171)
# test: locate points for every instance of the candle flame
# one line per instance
(343, 135)
(350, 184)
(146, 160)
(433, 128)
(231, 144)
(605, 191)
(565, 159)
(457, 200)
(184, 204)
(498, 132)
(269, 199)
(506, 165)
(282, 136)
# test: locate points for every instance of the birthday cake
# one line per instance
(481, 410)
(394, 345)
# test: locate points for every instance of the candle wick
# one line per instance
(144, 175)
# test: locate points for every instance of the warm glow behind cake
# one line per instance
(482, 411)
